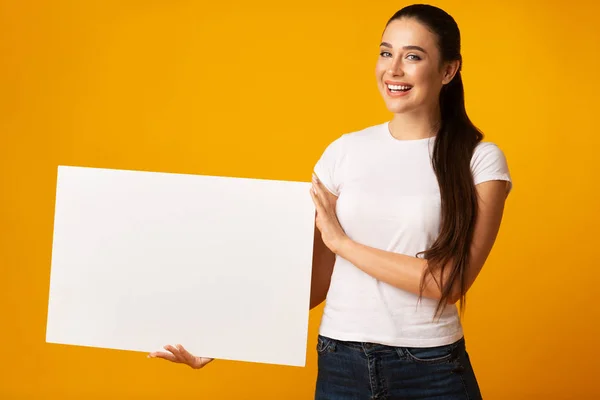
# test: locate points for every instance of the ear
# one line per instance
(450, 69)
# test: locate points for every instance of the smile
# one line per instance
(397, 90)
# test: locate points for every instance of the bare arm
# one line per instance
(405, 271)
(322, 267)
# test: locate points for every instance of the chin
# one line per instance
(398, 105)
(396, 108)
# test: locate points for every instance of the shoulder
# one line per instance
(366, 133)
(487, 152)
(485, 146)
(356, 138)
(489, 163)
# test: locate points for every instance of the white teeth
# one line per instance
(398, 87)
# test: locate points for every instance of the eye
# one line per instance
(385, 54)
(413, 57)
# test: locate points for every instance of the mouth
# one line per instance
(394, 89)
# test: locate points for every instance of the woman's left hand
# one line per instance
(331, 231)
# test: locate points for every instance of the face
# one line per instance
(409, 61)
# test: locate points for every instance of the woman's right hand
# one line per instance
(178, 354)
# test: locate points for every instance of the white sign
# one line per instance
(219, 265)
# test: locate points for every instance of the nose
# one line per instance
(395, 67)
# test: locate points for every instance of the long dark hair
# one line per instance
(455, 142)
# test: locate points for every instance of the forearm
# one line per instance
(322, 268)
(407, 272)
(399, 270)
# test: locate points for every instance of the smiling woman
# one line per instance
(407, 214)
(418, 205)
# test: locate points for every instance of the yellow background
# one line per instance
(258, 89)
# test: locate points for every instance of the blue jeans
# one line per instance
(366, 371)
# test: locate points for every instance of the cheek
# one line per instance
(421, 76)
(428, 81)
(380, 69)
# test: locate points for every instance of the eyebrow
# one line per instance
(412, 47)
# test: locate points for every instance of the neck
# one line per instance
(415, 125)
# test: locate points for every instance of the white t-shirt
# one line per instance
(389, 199)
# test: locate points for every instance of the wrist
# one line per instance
(343, 245)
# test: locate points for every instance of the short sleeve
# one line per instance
(489, 163)
(329, 167)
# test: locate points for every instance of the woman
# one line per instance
(408, 212)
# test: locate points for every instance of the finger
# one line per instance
(320, 190)
(191, 360)
(175, 352)
(316, 200)
(163, 355)
(316, 183)
(186, 355)
(319, 214)
(321, 206)
(315, 188)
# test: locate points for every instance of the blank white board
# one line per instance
(144, 259)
